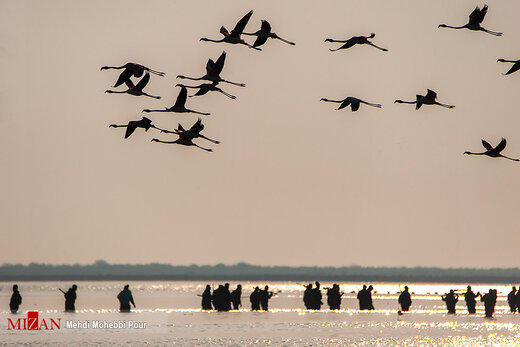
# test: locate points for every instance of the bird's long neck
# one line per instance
(117, 91)
(148, 111)
(113, 67)
(117, 126)
(475, 153)
(191, 78)
(328, 100)
(507, 61)
(405, 102)
(197, 112)
(170, 142)
(340, 41)
(452, 27)
(211, 40)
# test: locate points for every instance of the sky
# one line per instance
(293, 182)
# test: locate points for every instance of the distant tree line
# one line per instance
(101, 270)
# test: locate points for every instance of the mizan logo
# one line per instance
(32, 322)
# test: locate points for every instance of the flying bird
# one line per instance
(179, 106)
(144, 123)
(493, 152)
(193, 132)
(515, 67)
(136, 90)
(475, 19)
(213, 70)
(356, 40)
(428, 99)
(185, 138)
(130, 69)
(352, 101)
(234, 36)
(264, 33)
(205, 88)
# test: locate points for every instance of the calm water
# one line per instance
(171, 313)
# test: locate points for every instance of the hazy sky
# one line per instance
(293, 182)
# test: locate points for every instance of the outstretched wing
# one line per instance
(181, 98)
(431, 95)
(266, 26)
(487, 145)
(418, 102)
(477, 16)
(143, 82)
(515, 67)
(197, 127)
(219, 65)
(239, 28)
(500, 147)
(130, 129)
(210, 66)
(260, 41)
(124, 76)
(224, 31)
(129, 84)
(344, 103)
(355, 105)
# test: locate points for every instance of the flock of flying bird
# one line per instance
(214, 69)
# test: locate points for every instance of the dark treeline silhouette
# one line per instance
(101, 270)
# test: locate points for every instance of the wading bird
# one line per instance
(264, 33)
(184, 139)
(234, 36)
(475, 18)
(205, 88)
(144, 123)
(355, 40)
(352, 101)
(131, 69)
(428, 99)
(193, 132)
(515, 67)
(136, 90)
(179, 105)
(493, 152)
(213, 70)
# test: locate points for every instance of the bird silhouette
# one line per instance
(179, 106)
(264, 33)
(475, 19)
(205, 88)
(213, 70)
(355, 40)
(428, 99)
(493, 152)
(130, 69)
(185, 138)
(136, 90)
(193, 132)
(352, 101)
(515, 67)
(144, 123)
(234, 36)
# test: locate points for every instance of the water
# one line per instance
(170, 310)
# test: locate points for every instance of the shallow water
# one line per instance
(172, 316)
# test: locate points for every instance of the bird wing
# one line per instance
(239, 28)
(487, 145)
(143, 82)
(418, 99)
(129, 84)
(130, 128)
(219, 65)
(260, 41)
(500, 147)
(210, 66)
(482, 14)
(180, 127)
(197, 127)
(124, 76)
(477, 16)
(224, 31)
(431, 95)
(355, 105)
(515, 67)
(345, 103)
(181, 98)
(265, 26)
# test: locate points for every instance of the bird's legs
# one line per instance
(152, 96)
(233, 83)
(206, 149)
(148, 111)
(444, 105)
(495, 33)
(381, 48)
(283, 40)
(210, 140)
(158, 73)
(197, 112)
(503, 156)
(371, 104)
(226, 94)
